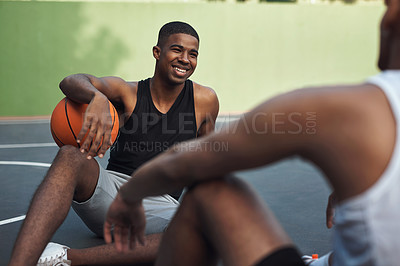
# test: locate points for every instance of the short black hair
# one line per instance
(175, 27)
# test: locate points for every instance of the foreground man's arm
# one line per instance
(254, 140)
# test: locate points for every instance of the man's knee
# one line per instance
(70, 153)
(217, 192)
(70, 157)
(73, 165)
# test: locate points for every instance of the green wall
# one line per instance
(248, 52)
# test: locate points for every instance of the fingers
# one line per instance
(140, 234)
(329, 220)
(96, 142)
(126, 238)
(107, 232)
(121, 237)
(128, 223)
(330, 211)
(98, 135)
(91, 132)
(107, 142)
(87, 121)
(132, 238)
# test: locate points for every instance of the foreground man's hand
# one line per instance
(128, 222)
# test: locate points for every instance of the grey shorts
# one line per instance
(159, 210)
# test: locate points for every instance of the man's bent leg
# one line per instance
(70, 176)
(108, 254)
(159, 212)
(222, 217)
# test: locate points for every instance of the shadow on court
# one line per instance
(294, 190)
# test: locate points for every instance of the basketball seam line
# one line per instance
(54, 134)
(69, 124)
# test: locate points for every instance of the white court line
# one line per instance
(12, 220)
(25, 163)
(22, 217)
(24, 122)
(27, 145)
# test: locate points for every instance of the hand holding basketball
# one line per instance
(95, 135)
(91, 127)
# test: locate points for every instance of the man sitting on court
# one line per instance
(356, 145)
(154, 113)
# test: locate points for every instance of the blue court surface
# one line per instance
(294, 189)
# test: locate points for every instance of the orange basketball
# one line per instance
(67, 119)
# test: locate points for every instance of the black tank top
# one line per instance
(149, 132)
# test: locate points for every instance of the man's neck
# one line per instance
(163, 94)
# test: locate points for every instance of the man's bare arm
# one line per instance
(274, 130)
(266, 134)
(84, 87)
(207, 108)
(96, 92)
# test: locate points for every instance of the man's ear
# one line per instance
(156, 52)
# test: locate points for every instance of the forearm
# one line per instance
(238, 146)
(153, 178)
(80, 88)
(183, 165)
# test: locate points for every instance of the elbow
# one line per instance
(66, 83)
(72, 81)
(63, 83)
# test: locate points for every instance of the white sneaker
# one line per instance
(54, 255)
(315, 261)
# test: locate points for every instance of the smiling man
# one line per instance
(154, 114)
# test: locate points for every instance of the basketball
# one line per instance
(67, 119)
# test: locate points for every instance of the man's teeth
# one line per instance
(180, 70)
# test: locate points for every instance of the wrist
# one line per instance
(127, 197)
(98, 95)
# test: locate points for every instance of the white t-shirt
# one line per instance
(367, 226)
